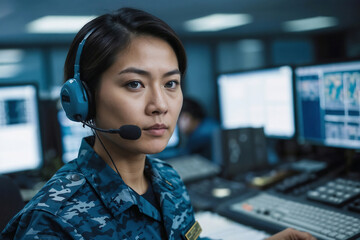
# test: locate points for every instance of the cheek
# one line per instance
(115, 108)
(178, 105)
(127, 111)
(177, 113)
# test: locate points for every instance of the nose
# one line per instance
(157, 103)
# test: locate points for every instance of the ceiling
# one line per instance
(268, 15)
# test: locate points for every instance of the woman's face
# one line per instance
(141, 88)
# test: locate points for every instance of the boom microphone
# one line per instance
(129, 132)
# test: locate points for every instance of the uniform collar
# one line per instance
(115, 194)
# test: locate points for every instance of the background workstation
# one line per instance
(287, 99)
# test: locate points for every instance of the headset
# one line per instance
(76, 100)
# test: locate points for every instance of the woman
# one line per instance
(131, 68)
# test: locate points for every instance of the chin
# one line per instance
(156, 148)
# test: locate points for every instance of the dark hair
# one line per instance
(112, 33)
(193, 107)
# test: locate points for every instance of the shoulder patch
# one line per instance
(56, 192)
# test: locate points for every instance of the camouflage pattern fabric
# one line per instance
(86, 199)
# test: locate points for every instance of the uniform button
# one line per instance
(75, 177)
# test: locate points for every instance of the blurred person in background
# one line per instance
(196, 129)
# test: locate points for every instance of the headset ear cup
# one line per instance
(74, 100)
(91, 106)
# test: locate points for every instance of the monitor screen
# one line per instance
(20, 137)
(328, 104)
(258, 98)
(72, 134)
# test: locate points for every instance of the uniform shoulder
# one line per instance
(159, 162)
(56, 192)
(162, 166)
(166, 171)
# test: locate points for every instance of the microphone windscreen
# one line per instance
(130, 132)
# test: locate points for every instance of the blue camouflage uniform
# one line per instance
(86, 199)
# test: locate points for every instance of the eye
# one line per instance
(134, 85)
(172, 84)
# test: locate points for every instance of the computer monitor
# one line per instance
(258, 98)
(20, 137)
(329, 104)
(72, 134)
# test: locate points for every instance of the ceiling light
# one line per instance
(217, 22)
(307, 24)
(58, 24)
(11, 56)
(9, 70)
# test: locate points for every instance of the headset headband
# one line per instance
(78, 55)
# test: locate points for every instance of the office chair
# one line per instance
(10, 201)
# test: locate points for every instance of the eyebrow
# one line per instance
(146, 73)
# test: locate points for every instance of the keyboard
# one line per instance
(193, 167)
(271, 210)
(295, 183)
(336, 192)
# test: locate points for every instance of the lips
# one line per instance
(156, 130)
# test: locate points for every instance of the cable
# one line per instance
(107, 152)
